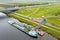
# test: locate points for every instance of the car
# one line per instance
(22, 27)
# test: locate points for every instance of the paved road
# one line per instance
(16, 8)
(8, 32)
(19, 7)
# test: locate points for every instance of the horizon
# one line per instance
(29, 1)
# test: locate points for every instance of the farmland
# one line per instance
(40, 10)
(46, 10)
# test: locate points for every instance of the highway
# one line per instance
(8, 32)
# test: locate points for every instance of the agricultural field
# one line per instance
(51, 12)
(54, 21)
(40, 10)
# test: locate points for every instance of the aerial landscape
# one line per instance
(37, 19)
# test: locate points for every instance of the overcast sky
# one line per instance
(29, 0)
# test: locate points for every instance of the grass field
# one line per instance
(1, 7)
(54, 21)
(40, 10)
(46, 10)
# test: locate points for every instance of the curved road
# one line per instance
(8, 32)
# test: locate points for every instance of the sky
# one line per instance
(29, 0)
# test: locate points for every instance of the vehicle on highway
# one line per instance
(28, 29)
